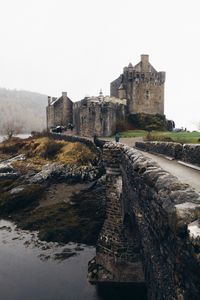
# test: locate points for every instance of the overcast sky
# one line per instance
(80, 46)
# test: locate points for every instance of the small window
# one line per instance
(147, 95)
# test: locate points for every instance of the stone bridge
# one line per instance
(151, 233)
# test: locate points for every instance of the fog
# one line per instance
(81, 46)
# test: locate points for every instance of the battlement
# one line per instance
(137, 77)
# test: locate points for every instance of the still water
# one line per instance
(34, 270)
(22, 136)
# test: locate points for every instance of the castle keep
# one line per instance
(140, 89)
(142, 86)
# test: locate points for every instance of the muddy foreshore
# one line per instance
(63, 202)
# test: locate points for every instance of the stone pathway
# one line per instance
(183, 173)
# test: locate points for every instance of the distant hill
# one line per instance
(24, 108)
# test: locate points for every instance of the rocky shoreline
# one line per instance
(63, 202)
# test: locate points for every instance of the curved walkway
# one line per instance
(183, 173)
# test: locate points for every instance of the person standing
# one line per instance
(117, 136)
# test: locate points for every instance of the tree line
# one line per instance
(24, 110)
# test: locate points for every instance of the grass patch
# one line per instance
(133, 133)
(43, 150)
(183, 137)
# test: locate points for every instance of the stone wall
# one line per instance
(98, 118)
(165, 213)
(59, 111)
(117, 249)
(189, 153)
(170, 149)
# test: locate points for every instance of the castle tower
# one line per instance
(142, 86)
(50, 113)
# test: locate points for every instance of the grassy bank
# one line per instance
(43, 150)
(179, 137)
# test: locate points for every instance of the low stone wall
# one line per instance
(171, 149)
(166, 213)
(189, 153)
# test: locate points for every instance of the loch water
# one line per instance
(35, 270)
(21, 136)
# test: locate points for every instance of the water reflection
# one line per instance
(29, 270)
(121, 292)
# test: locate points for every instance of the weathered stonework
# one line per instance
(142, 86)
(99, 115)
(139, 89)
(189, 153)
(59, 111)
(170, 149)
(165, 218)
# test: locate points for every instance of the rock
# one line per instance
(17, 190)
(60, 171)
(49, 171)
(7, 228)
(9, 175)
(6, 169)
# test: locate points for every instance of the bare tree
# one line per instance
(11, 128)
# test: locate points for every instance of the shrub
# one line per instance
(145, 121)
(51, 149)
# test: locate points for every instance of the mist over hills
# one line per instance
(26, 109)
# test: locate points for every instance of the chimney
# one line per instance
(64, 94)
(145, 62)
(49, 100)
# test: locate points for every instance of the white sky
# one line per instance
(80, 46)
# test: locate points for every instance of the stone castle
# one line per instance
(140, 89)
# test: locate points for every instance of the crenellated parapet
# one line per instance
(164, 224)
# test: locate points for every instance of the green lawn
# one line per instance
(133, 133)
(180, 137)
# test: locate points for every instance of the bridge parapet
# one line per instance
(165, 213)
(189, 153)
